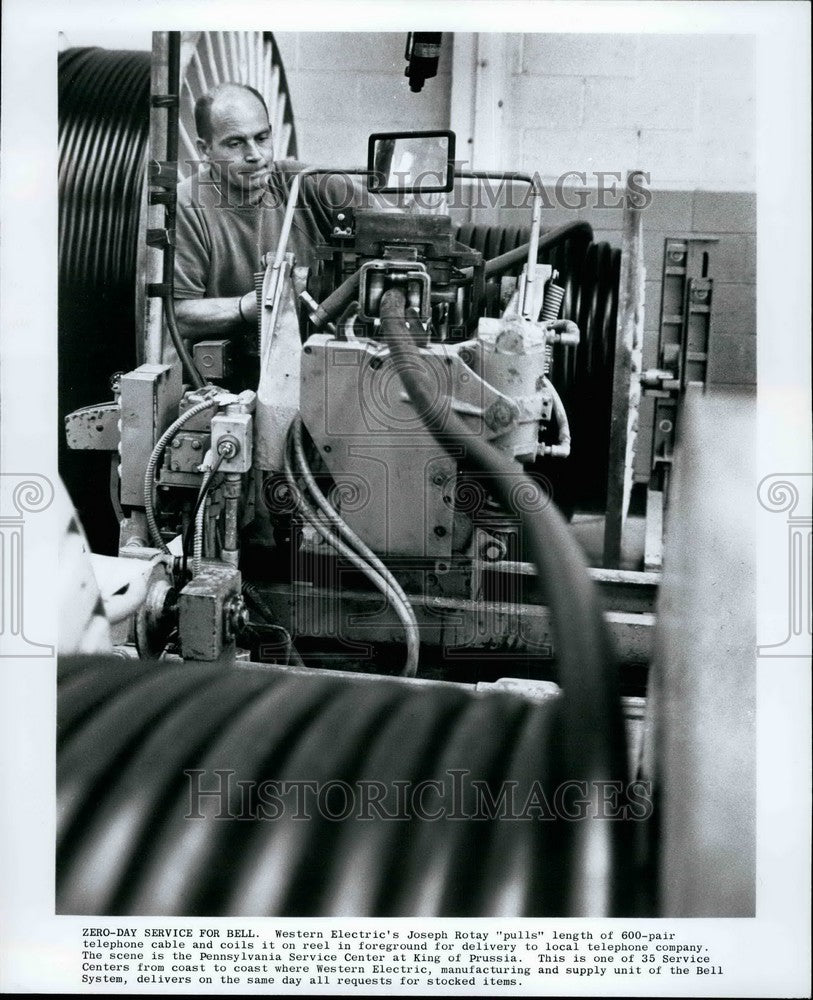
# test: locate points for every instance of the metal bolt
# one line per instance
(375, 363)
(438, 479)
(307, 350)
(195, 445)
(228, 447)
(498, 415)
(440, 531)
(493, 549)
(176, 442)
(236, 615)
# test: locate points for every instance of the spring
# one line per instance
(554, 295)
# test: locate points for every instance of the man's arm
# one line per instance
(199, 319)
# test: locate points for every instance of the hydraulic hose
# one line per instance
(152, 465)
(593, 736)
(498, 265)
(200, 503)
(403, 610)
(343, 527)
(197, 542)
(335, 303)
(562, 448)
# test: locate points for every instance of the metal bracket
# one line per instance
(94, 428)
(164, 101)
(162, 173)
(683, 343)
(161, 238)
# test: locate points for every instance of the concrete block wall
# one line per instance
(681, 107)
(346, 85)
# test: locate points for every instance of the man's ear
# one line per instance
(204, 148)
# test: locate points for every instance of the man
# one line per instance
(229, 214)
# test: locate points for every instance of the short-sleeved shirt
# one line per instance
(219, 244)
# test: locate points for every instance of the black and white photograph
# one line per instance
(412, 552)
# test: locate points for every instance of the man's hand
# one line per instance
(199, 319)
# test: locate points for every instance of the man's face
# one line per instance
(241, 144)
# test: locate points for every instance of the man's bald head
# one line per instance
(234, 137)
(227, 98)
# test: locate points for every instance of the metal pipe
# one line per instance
(506, 260)
(343, 527)
(229, 553)
(170, 214)
(404, 611)
(562, 449)
(332, 306)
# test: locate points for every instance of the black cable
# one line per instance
(101, 865)
(170, 210)
(115, 486)
(593, 733)
(498, 265)
(190, 528)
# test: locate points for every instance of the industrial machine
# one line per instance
(347, 560)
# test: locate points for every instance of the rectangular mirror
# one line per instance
(411, 162)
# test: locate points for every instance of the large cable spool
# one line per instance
(104, 124)
(103, 127)
(129, 733)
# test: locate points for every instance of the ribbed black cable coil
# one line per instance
(103, 138)
(126, 843)
(103, 129)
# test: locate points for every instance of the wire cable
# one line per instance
(197, 515)
(152, 465)
(343, 527)
(404, 611)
